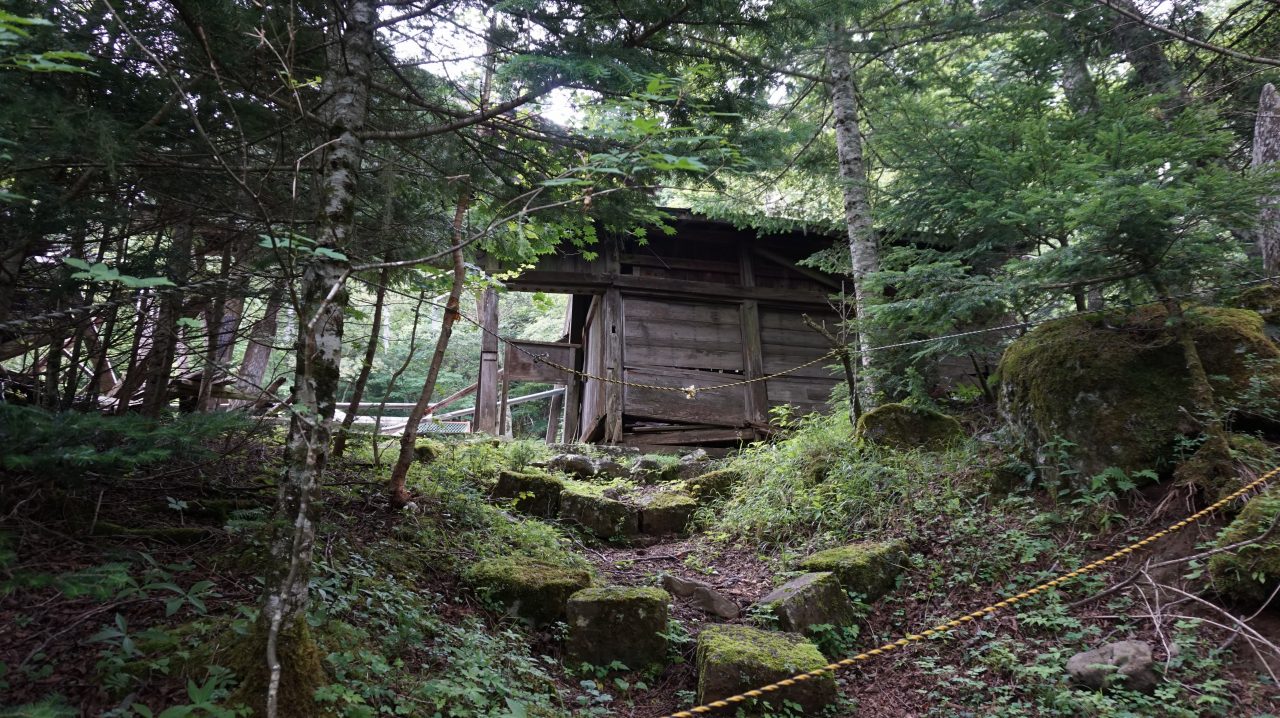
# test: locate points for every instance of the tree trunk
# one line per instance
(408, 440)
(366, 366)
(864, 251)
(1266, 153)
(292, 664)
(165, 344)
(1143, 48)
(257, 354)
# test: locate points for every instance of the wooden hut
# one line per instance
(705, 306)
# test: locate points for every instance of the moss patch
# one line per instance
(732, 659)
(666, 512)
(616, 623)
(535, 494)
(302, 671)
(427, 450)
(1250, 573)
(533, 590)
(868, 568)
(1116, 385)
(902, 427)
(604, 517)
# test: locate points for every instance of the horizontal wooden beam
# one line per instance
(570, 283)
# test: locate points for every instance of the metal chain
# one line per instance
(941, 628)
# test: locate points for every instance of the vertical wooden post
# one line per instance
(755, 396)
(573, 403)
(486, 415)
(613, 362)
(553, 417)
(504, 412)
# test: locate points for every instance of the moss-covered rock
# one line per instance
(535, 494)
(427, 450)
(1265, 300)
(1250, 573)
(814, 599)
(603, 516)
(666, 512)
(536, 591)
(615, 623)
(655, 468)
(869, 568)
(902, 427)
(713, 484)
(1116, 385)
(733, 659)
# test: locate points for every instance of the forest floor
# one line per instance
(119, 595)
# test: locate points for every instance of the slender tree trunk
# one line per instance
(366, 366)
(408, 440)
(864, 251)
(1266, 154)
(165, 344)
(292, 662)
(216, 324)
(1144, 49)
(139, 356)
(257, 354)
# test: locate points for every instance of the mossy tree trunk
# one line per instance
(1266, 155)
(290, 658)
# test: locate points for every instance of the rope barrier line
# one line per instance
(947, 626)
(692, 391)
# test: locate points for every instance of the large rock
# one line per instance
(665, 512)
(533, 590)
(903, 427)
(1250, 573)
(1116, 385)
(713, 484)
(702, 596)
(692, 464)
(868, 568)
(814, 599)
(1124, 664)
(615, 623)
(652, 469)
(598, 514)
(580, 466)
(534, 494)
(733, 659)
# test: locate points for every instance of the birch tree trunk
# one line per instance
(292, 662)
(1266, 153)
(409, 439)
(864, 251)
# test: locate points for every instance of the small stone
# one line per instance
(1124, 664)
(733, 659)
(535, 494)
(814, 599)
(617, 624)
(611, 469)
(868, 568)
(692, 464)
(650, 469)
(713, 484)
(533, 590)
(709, 600)
(681, 587)
(665, 513)
(579, 466)
(600, 515)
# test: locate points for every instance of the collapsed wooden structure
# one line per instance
(705, 306)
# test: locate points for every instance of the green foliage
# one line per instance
(71, 445)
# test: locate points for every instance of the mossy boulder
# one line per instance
(427, 450)
(814, 599)
(1116, 385)
(903, 427)
(616, 623)
(733, 659)
(536, 591)
(1250, 573)
(713, 484)
(535, 494)
(666, 512)
(598, 514)
(655, 468)
(869, 568)
(1265, 300)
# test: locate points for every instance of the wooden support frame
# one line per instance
(613, 363)
(756, 395)
(486, 418)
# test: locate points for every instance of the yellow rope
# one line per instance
(986, 610)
